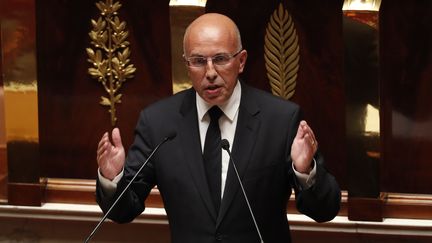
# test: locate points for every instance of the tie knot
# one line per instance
(215, 113)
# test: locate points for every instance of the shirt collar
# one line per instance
(229, 108)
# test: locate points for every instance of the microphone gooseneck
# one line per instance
(170, 136)
(225, 145)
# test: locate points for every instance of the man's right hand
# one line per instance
(111, 156)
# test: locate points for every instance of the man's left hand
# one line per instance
(303, 148)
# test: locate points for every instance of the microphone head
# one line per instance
(225, 144)
(171, 135)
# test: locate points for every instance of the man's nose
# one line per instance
(211, 73)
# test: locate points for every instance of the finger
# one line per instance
(315, 142)
(103, 142)
(311, 143)
(101, 157)
(103, 139)
(116, 138)
(103, 147)
(98, 156)
(300, 130)
(308, 139)
(312, 134)
(307, 129)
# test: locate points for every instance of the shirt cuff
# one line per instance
(109, 187)
(306, 180)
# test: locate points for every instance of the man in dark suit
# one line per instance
(273, 149)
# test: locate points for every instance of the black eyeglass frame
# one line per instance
(203, 61)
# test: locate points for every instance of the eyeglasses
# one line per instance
(219, 59)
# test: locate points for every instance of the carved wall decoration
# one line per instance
(281, 53)
(110, 56)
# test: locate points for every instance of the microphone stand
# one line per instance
(128, 185)
(225, 145)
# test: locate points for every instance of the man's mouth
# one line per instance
(213, 89)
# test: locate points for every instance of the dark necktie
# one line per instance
(212, 156)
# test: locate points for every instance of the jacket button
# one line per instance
(218, 237)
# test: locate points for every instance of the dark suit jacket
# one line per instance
(261, 150)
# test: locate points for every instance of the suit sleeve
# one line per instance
(131, 203)
(321, 201)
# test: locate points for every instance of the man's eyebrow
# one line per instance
(196, 55)
(217, 54)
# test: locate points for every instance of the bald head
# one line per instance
(212, 24)
(214, 40)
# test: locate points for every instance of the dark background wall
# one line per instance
(406, 85)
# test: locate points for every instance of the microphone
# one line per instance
(170, 136)
(225, 145)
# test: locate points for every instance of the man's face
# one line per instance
(214, 83)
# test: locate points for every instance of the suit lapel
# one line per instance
(190, 139)
(244, 141)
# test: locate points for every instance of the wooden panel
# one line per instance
(3, 174)
(361, 78)
(26, 194)
(3, 160)
(23, 184)
(59, 190)
(70, 191)
(406, 111)
(389, 205)
(71, 119)
(365, 209)
(2, 117)
(20, 102)
(415, 206)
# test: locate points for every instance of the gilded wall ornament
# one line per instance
(281, 53)
(110, 56)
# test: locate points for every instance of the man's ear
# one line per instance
(243, 57)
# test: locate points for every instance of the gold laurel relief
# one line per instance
(110, 54)
(281, 53)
